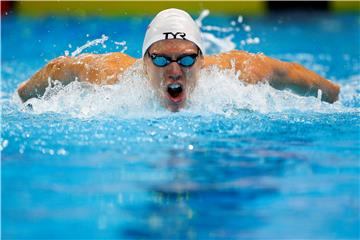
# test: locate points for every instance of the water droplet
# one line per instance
(247, 28)
(4, 144)
(61, 151)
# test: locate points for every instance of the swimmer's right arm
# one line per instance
(92, 68)
(58, 69)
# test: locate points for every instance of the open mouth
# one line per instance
(176, 92)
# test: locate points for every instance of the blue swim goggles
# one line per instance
(186, 60)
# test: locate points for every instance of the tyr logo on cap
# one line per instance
(175, 35)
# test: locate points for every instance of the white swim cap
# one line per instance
(172, 24)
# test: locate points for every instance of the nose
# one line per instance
(174, 71)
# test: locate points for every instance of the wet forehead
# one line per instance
(170, 46)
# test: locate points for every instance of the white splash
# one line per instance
(203, 15)
(350, 92)
(121, 44)
(218, 91)
(214, 44)
(133, 96)
(221, 92)
(94, 42)
(218, 45)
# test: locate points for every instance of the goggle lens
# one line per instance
(184, 61)
(187, 61)
(160, 61)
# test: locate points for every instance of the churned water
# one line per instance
(246, 161)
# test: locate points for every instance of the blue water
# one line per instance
(272, 165)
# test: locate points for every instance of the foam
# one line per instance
(218, 92)
(132, 96)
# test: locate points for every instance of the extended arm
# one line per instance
(92, 68)
(255, 68)
(59, 69)
(303, 81)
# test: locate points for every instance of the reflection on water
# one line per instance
(204, 187)
(181, 176)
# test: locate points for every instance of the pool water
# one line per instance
(239, 162)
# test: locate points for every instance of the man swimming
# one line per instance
(172, 57)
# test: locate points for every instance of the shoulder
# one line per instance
(116, 56)
(106, 62)
(101, 68)
(254, 68)
(232, 53)
(107, 57)
(224, 59)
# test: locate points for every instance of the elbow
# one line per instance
(26, 91)
(22, 92)
(332, 95)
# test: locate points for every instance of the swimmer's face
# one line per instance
(173, 82)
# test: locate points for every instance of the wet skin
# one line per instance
(109, 68)
(162, 77)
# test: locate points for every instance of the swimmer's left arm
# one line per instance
(255, 68)
(302, 81)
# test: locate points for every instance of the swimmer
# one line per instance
(172, 57)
